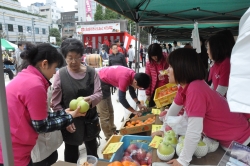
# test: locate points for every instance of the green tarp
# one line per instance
(5, 44)
(177, 14)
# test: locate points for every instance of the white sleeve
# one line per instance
(192, 137)
(172, 111)
(222, 90)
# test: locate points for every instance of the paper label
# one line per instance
(156, 142)
(112, 147)
(156, 111)
(156, 128)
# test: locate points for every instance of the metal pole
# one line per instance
(5, 27)
(4, 122)
(33, 27)
(130, 29)
(137, 62)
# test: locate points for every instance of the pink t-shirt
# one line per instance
(219, 73)
(27, 100)
(118, 76)
(219, 123)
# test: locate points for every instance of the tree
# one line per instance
(55, 33)
(98, 14)
(110, 15)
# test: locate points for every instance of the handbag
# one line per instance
(92, 128)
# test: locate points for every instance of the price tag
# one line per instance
(156, 142)
(156, 128)
(156, 111)
(112, 147)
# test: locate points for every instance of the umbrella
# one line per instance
(5, 45)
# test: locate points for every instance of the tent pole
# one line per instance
(4, 122)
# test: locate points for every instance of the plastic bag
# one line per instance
(178, 124)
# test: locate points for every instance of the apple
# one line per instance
(126, 153)
(201, 149)
(131, 148)
(84, 106)
(168, 139)
(80, 98)
(141, 154)
(170, 133)
(165, 151)
(181, 138)
(73, 104)
(167, 128)
(143, 162)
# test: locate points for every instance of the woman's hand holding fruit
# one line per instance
(76, 113)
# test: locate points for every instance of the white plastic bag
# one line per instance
(178, 124)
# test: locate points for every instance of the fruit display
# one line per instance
(179, 148)
(165, 151)
(212, 144)
(137, 156)
(201, 149)
(167, 91)
(134, 123)
(75, 103)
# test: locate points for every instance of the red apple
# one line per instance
(141, 154)
(167, 128)
(126, 158)
(144, 162)
(126, 153)
(131, 148)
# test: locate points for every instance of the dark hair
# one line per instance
(143, 80)
(113, 45)
(116, 40)
(64, 38)
(122, 44)
(45, 51)
(220, 47)
(187, 66)
(170, 45)
(228, 35)
(19, 45)
(130, 46)
(155, 50)
(71, 45)
(203, 44)
(175, 42)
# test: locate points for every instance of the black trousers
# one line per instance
(71, 152)
(143, 60)
(9, 72)
(130, 64)
(49, 160)
(30, 164)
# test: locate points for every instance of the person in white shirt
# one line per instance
(131, 56)
(175, 46)
(19, 60)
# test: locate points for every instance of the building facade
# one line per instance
(68, 20)
(19, 26)
(86, 9)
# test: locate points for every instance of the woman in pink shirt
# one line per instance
(207, 111)
(156, 68)
(219, 51)
(27, 103)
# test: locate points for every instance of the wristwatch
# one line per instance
(138, 102)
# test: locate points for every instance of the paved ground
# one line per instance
(119, 113)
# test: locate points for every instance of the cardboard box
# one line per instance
(167, 98)
(112, 139)
(136, 129)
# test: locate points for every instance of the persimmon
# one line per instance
(133, 122)
(126, 163)
(138, 121)
(128, 123)
(117, 163)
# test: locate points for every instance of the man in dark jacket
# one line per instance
(116, 58)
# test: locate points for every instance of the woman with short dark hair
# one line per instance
(27, 103)
(219, 51)
(207, 112)
(155, 68)
(71, 82)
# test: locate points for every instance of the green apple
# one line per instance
(201, 143)
(80, 98)
(179, 148)
(73, 104)
(170, 140)
(165, 149)
(170, 133)
(181, 138)
(84, 106)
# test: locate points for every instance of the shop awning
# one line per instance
(172, 14)
(6, 45)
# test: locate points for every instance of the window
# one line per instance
(52, 10)
(20, 28)
(36, 30)
(47, 9)
(1, 27)
(10, 27)
(29, 29)
(44, 31)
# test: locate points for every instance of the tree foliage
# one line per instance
(98, 14)
(55, 33)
